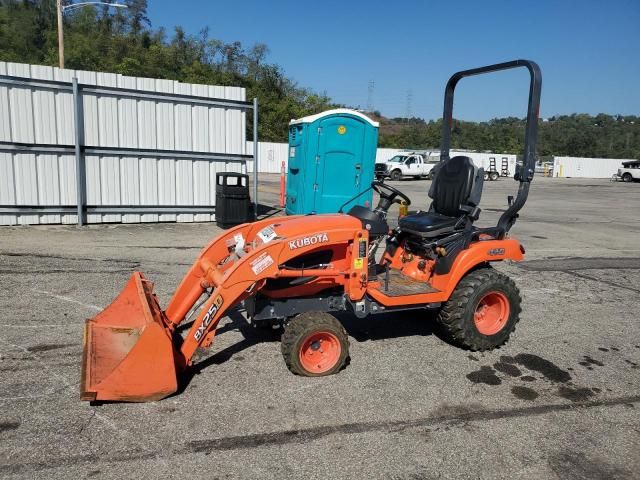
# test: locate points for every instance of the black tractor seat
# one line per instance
(428, 223)
(456, 191)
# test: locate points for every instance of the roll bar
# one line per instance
(524, 172)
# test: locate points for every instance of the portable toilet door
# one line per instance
(295, 190)
(338, 155)
(341, 169)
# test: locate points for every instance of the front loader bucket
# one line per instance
(128, 353)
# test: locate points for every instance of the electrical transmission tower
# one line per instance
(409, 104)
(372, 85)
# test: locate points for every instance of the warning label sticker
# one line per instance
(239, 240)
(261, 263)
(267, 234)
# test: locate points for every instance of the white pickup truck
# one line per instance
(405, 165)
(629, 171)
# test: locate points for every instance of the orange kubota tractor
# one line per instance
(295, 271)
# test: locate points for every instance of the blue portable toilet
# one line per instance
(331, 159)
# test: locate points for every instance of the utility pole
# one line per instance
(61, 8)
(60, 33)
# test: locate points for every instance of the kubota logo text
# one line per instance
(307, 241)
(213, 309)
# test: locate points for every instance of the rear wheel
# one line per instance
(482, 311)
(494, 176)
(486, 175)
(396, 175)
(627, 177)
(315, 344)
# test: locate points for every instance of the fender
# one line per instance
(480, 252)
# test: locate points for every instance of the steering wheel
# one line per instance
(388, 196)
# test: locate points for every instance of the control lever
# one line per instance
(386, 277)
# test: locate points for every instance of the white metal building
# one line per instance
(585, 167)
(122, 128)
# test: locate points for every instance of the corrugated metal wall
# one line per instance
(270, 156)
(28, 116)
(33, 115)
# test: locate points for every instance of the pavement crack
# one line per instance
(305, 435)
(314, 433)
(62, 257)
(86, 424)
(566, 264)
(599, 280)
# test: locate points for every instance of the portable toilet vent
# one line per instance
(331, 160)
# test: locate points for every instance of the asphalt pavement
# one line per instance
(560, 400)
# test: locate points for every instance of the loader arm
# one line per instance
(131, 349)
(194, 283)
(247, 276)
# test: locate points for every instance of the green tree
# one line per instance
(122, 41)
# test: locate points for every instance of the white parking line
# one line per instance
(74, 324)
(69, 299)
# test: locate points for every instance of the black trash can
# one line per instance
(233, 205)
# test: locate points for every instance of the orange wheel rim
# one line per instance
(492, 313)
(320, 352)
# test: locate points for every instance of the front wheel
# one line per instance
(315, 344)
(493, 176)
(482, 311)
(627, 178)
(396, 175)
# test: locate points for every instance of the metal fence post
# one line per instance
(81, 184)
(255, 156)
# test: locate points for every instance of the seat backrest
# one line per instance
(457, 183)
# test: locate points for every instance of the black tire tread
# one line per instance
(393, 175)
(451, 317)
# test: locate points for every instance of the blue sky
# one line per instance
(589, 51)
